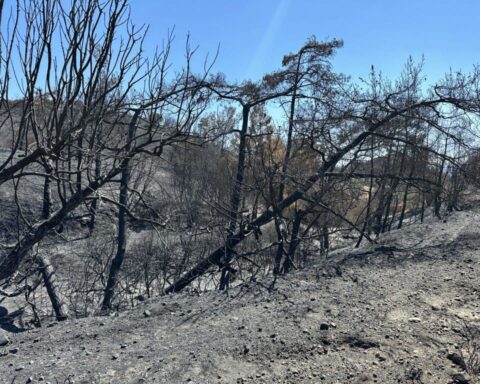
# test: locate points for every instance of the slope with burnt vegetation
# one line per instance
(404, 310)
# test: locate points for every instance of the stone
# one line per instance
(357, 342)
(380, 356)
(456, 359)
(3, 339)
(460, 378)
(147, 313)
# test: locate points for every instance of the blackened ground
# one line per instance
(395, 312)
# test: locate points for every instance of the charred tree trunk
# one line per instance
(294, 242)
(405, 199)
(325, 238)
(281, 234)
(366, 221)
(121, 241)
(388, 206)
(79, 164)
(404, 207)
(283, 177)
(437, 201)
(94, 206)
(454, 193)
(47, 192)
(236, 196)
(422, 210)
(377, 223)
(122, 222)
(382, 192)
(394, 214)
(53, 290)
(70, 170)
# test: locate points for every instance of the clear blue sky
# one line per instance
(255, 34)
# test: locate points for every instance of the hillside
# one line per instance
(395, 312)
(243, 204)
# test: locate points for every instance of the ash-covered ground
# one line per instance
(404, 310)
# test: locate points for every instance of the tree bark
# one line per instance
(405, 199)
(94, 206)
(366, 222)
(294, 242)
(122, 222)
(437, 201)
(236, 196)
(325, 238)
(47, 193)
(53, 290)
(394, 214)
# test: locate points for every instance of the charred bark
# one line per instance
(53, 289)
(294, 242)
(236, 195)
(122, 221)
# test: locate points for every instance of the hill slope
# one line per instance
(395, 312)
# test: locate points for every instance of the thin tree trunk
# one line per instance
(121, 242)
(236, 196)
(69, 169)
(53, 290)
(437, 203)
(394, 214)
(388, 206)
(79, 163)
(422, 212)
(405, 199)
(294, 241)
(122, 223)
(369, 202)
(94, 206)
(283, 177)
(47, 193)
(325, 238)
(404, 207)
(279, 227)
(454, 192)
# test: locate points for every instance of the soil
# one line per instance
(392, 312)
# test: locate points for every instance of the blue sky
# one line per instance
(255, 34)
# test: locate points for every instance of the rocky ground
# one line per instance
(402, 311)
